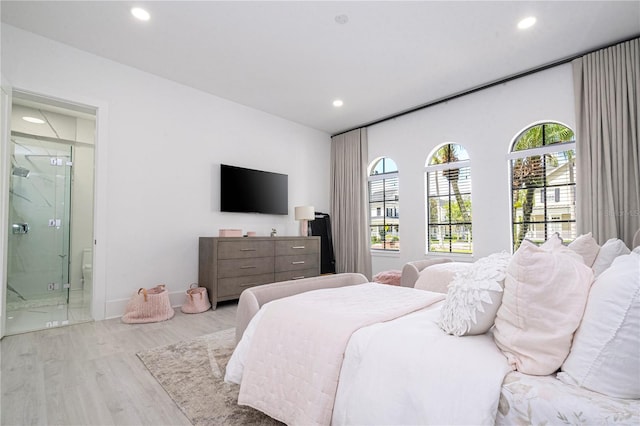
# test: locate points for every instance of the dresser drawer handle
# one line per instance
(247, 249)
(298, 278)
(299, 262)
(248, 267)
(298, 247)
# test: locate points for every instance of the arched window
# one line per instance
(543, 184)
(448, 188)
(384, 218)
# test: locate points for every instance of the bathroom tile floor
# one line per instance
(47, 313)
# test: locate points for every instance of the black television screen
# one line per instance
(253, 191)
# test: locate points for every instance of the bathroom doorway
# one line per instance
(50, 239)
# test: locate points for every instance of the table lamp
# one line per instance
(304, 214)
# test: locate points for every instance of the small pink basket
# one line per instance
(197, 300)
(149, 305)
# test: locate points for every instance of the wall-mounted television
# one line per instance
(253, 191)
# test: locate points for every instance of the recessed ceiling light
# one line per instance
(33, 120)
(140, 13)
(342, 19)
(338, 103)
(527, 22)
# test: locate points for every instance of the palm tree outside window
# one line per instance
(448, 188)
(384, 198)
(543, 180)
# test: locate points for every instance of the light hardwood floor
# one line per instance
(89, 374)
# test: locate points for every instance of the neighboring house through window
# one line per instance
(543, 180)
(448, 189)
(384, 200)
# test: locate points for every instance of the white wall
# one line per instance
(486, 123)
(159, 147)
(82, 210)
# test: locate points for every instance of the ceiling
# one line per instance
(292, 59)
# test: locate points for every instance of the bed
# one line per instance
(403, 368)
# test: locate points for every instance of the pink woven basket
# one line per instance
(149, 305)
(197, 300)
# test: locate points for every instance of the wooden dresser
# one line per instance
(229, 265)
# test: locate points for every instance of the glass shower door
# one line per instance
(39, 237)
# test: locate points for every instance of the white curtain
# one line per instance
(349, 160)
(606, 86)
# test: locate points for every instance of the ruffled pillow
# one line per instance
(474, 296)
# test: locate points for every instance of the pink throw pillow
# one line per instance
(545, 294)
(388, 277)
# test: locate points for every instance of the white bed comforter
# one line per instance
(409, 372)
(405, 371)
(293, 365)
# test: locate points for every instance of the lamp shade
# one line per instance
(305, 213)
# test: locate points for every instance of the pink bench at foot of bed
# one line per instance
(253, 298)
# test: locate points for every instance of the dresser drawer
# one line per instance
(296, 275)
(228, 287)
(230, 268)
(244, 248)
(296, 263)
(301, 246)
(227, 266)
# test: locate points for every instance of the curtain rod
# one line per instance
(487, 85)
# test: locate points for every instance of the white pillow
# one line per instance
(605, 356)
(554, 242)
(474, 297)
(545, 294)
(608, 252)
(438, 277)
(587, 247)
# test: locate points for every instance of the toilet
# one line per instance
(87, 266)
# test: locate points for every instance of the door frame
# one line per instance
(100, 235)
(6, 99)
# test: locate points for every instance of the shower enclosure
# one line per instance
(38, 256)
